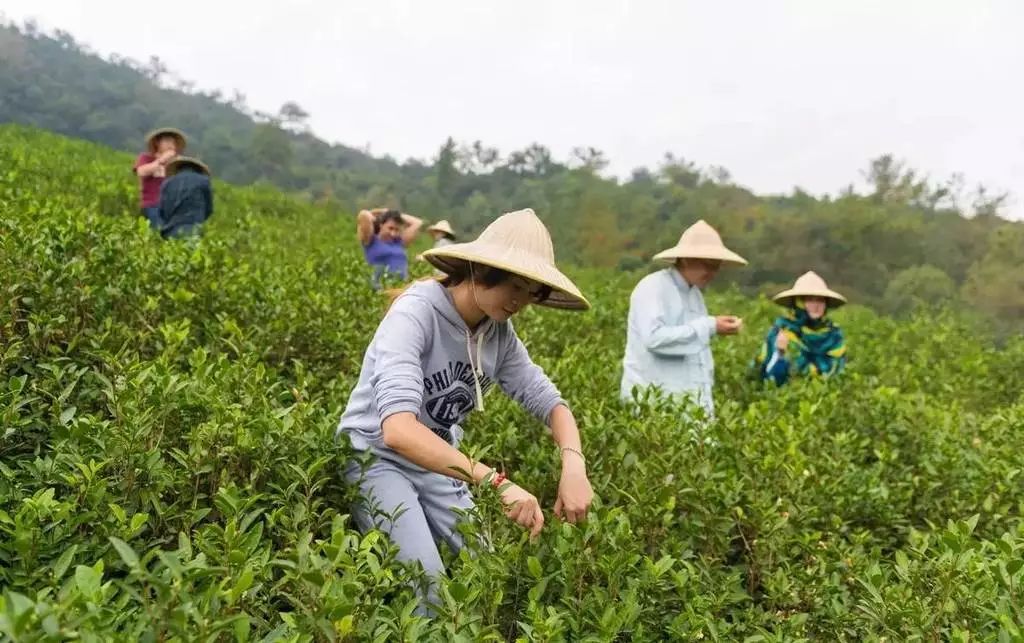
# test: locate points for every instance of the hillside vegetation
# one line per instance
(168, 469)
(907, 243)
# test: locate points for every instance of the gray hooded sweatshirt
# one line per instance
(424, 359)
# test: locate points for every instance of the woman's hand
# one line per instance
(522, 507)
(781, 342)
(574, 491)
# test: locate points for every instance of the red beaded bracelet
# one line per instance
(498, 479)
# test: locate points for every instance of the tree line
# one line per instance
(906, 242)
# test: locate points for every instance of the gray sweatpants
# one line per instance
(426, 501)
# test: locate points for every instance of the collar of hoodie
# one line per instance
(442, 302)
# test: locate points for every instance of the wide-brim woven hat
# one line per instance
(442, 226)
(519, 243)
(810, 284)
(178, 163)
(166, 131)
(700, 241)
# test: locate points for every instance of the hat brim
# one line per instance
(175, 166)
(447, 231)
(564, 293)
(788, 298)
(714, 254)
(167, 131)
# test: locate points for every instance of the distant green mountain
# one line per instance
(50, 81)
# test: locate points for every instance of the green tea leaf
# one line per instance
(241, 628)
(458, 591)
(67, 415)
(88, 580)
(243, 583)
(126, 553)
(64, 562)
(533, 565)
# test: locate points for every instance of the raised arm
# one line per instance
(364, 226)
(148, 169)
(412, 228)
(151, 168)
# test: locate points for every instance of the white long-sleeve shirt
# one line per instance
(668, 339)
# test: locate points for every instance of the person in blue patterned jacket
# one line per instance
(804, 341)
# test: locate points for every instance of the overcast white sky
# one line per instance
(783, 93)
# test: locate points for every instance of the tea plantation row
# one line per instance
(168, 471)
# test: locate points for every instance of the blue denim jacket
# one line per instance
(185, 199)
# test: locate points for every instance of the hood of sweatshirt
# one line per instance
(424, 359)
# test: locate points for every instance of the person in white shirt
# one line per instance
(443, 236)
(669, 331)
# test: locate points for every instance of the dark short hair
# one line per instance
(384, 217)
(486, 276)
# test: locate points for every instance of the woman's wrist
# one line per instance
(494, 478)
(572, 458)
(482, 473)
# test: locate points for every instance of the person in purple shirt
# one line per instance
(384, 235)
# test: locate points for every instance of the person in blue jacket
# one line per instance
(186, 198)
(804, 341)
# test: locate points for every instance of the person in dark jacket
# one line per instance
(186, 198)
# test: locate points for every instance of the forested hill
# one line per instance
(53, 82)
(905, 242)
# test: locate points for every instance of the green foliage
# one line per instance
(168, 469)
(917, 287)
(995, 284)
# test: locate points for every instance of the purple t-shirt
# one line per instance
(387, 256)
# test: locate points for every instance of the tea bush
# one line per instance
(168, 469)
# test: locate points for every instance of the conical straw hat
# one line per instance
(166, 131)
(810, 285)
(519, 243)
(175, 166)
(442, 226)
(700, 241)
